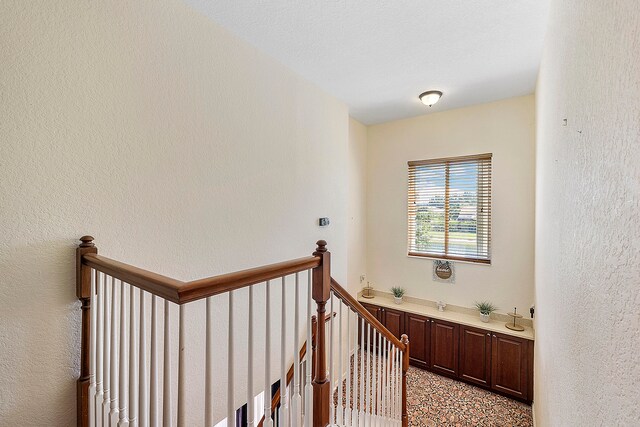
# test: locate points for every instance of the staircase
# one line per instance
(340, 367)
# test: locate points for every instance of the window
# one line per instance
(449, 207)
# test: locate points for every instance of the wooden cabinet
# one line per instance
(393, 320)
(445, 340)
(418, 329)
(499, 362)
(373, 309)
(512, 366)
(475, 356)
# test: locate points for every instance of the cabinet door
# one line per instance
(373, 309)
(510, 365)
(393, 320)
(418, 330)
(475, 356)
(445, 339)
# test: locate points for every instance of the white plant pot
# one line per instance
(485, 317)
(397, 300)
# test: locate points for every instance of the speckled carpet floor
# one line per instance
(433, 400)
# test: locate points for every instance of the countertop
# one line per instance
(450, 316)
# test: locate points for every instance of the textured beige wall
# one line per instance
(180, 148)
(587, 360)
(504, 128)
(356, 205)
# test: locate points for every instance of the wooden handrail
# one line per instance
(156, 284)
(215, 285)
(181, 292)
(353, 303)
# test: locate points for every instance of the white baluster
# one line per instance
(332, 337)
(347, 407)
(362, 375)
(380, 364)
(268, 422)
(383, 384)
(231, 410)
(389, 393)
(123, 362)
(391, 381)
(354, 410)
(401, 391)
(284, 394)
(113, 371)
(398, 385)
(167, 394)
(182, 377)
(208, 354)
(250, 397)
(374, 383)
(106, 359)
(339, 405)
(381, 378)
(143, 418)
(392, 376)
(133, 359)
(154, 371)
(369, 375)
(308, 390)
(99, 350)
(376, 396)
(295, 399)
(93, 304)
(386, 378)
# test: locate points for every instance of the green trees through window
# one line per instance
(450, 208)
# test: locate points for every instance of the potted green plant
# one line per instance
(398, 293)
(485, 308)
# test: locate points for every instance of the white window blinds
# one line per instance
(449, 208)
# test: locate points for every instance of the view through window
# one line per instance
(449, 207)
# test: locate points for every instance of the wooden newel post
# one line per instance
(405, 368)
(321, 288)
(83, 292)
(314, 345)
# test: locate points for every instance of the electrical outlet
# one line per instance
(323, 222)
(362, 278)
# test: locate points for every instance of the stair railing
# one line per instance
(125, 308)
(117, 387)
(368, 366)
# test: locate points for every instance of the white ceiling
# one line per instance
(377, 56)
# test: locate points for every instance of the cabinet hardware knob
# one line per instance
(494, 336)
(488, 335)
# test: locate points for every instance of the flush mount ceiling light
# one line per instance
(430, 97)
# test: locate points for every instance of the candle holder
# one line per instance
(514, 326)
(367, 291)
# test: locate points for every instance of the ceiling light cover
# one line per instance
(430, 97)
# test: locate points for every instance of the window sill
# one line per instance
(436, 258)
